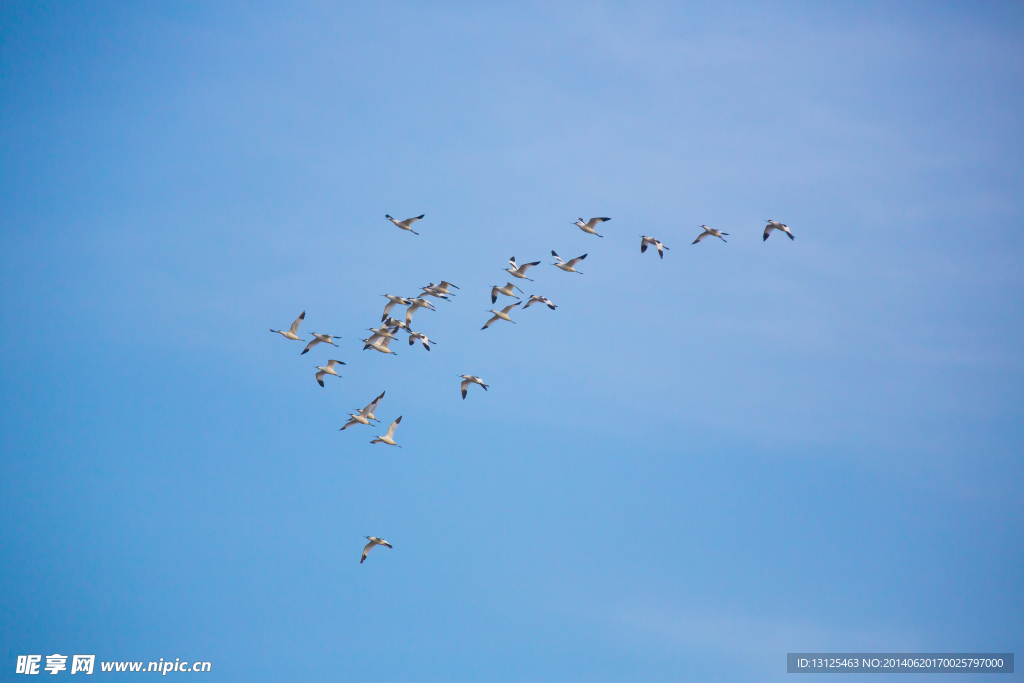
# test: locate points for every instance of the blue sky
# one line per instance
(692, 467)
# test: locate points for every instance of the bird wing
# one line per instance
(410, 221)
(391, 429)
(550, 304)
(366, 551)
(700, 237)
(510, 307)
(298, 321)
(368, 410)
(768, 230)
(576, 260)
(643, 244)
(464, 385)
(310, 345)
(594, 221)
(531, 302)
(446, 284)
(490, 322)
(384, 342)
(557, 257)
(526, 266)
(320, 377)
(512, 262)
(494, 293)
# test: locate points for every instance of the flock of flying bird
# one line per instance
(389, 327)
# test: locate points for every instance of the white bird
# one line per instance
(378, 343)
(775, 225)
(404, 225)
(710, 232)
(568, 266)
(392, 302)
(389, 438)
(413, 336)
(520, 271)
(507, 290)
(471, 379)
(369, 546)
(442, 288)
(429, 290)
(538, 299)
(327, 370)
(590, 225)
(320, 338)
(645, 240)
(363, 416)
(382, 331)
(394, 322)
(501, 315)
(293, 333)
(415, 305)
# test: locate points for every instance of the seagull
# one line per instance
(293, 333)
(507, 290)
(318, 338)
(712, 232)
(378, 343)
(389, 438)
(405, 225)
(775, 225)
(413, 336)
(471, 379)
(415, 305)
(392, 302)
(590, 225)
(568, 266)
(328, 370)
(369, 546)
(364, 416)
(538, 299)
(520, 271)
(645, 240)
(501, 315)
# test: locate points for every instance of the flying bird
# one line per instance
(320, 338)
(507, 290)
(389, 438)
(775, 225)
(538, 299)
(413, 336)
(378, 343)
(415, 305)
(394, 322)
(471, 379)
(293, 332)
(405, 225)
(568, 266)
(363, 416)
(369, 546)
(645, 241)
(710, 232)
(327, 370)
(392, 302)
(590, 225)
(501, 315)
(520, 271)
(441, 288)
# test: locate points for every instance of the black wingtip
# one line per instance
(320, 382)
(421, 215)
(303, 352)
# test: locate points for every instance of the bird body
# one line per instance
(405, 225)
(775, 225)
(645, 241)
(369, 546)
(327, 370)
(320, 339)
(364, 416)
(413, 336)
(507, 290)
(293, 332)
(589, 226)
(568, 266)
(501, 315)
(710, 232)
(538, 299)
(389, 438)
(378, 343)
(471, 379)
(520, 271)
